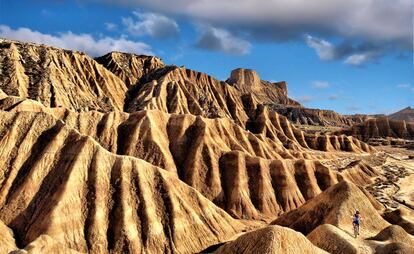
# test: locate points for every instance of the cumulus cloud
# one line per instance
(324, 49)
(218, 39)
(81, 42)
(152, 24)
(320, 84)
(355, 54)
(375, 20)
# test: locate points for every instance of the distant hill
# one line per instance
(406, 114)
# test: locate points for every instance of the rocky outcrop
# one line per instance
(56, 182)
(335, 206)
(130, 67)
(308, 116)
(214, 155)
(248, 82)
(181, 91)
(58, 78)
(382, 127)
(406, 114)
(271, 239)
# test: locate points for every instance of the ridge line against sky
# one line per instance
(350, 56)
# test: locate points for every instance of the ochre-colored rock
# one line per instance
(130, 68)
(269, 240)
(58, 78)
(65, 185)
(335, 206)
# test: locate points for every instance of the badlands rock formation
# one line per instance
(248, 82)
(59, 183)
(308, 116)
(129, 68)
(406, 114)
(58, 78)
(382, 127)
(124, 154)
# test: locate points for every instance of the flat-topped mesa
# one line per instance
(246, 79)
(248, 82)
(130, 67)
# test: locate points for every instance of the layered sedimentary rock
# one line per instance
(57, 182)
(309, 116)
(382, 127)
(130, 67)
(138, 157)
(58, 78)
(248, 82)
(183, 91)
(213, 155)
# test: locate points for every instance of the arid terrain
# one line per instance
(125, 154)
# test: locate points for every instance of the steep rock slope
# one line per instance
(129, 67)
(58, 78)
(406, 114)
(382, 127)
(241, 172)
(183, 91)
(335, 206)
(56, 182)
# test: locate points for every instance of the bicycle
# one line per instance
(356, 230)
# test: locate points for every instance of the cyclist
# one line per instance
(356, 222)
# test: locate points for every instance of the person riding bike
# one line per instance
(356, 222)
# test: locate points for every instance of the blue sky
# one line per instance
(340, 55)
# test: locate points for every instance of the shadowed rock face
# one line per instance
(129, 67)
(58, 78)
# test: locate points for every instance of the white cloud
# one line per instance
(358, 59)
(320, 84)
(218, 39)
(324, 49)
(152, 24)
(111, 26)
(81, 42)
(370, 20)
